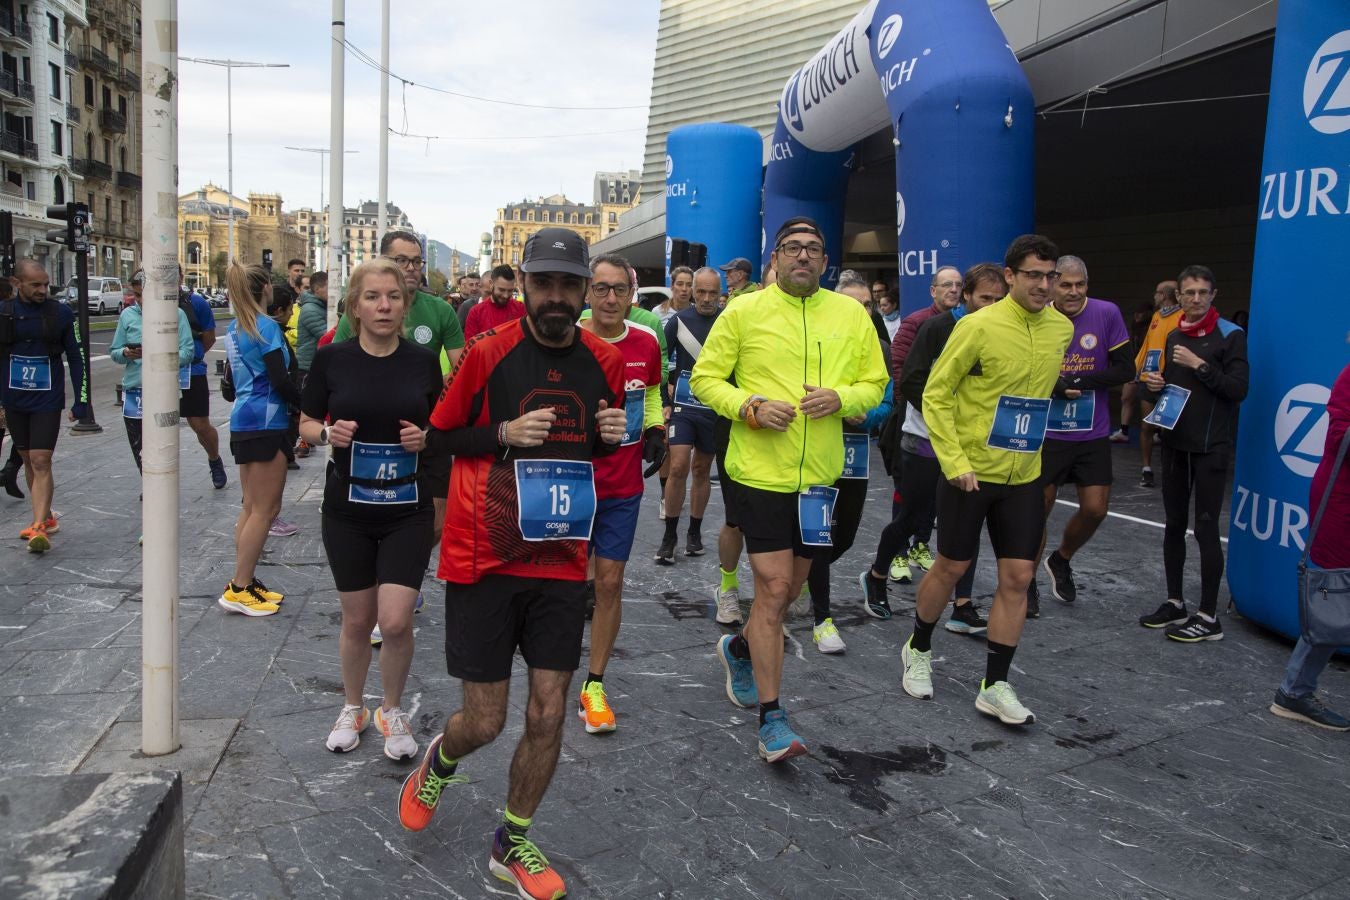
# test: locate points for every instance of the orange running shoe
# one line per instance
(593, 709)
(516, 860)
(422, 791)
(37, 539)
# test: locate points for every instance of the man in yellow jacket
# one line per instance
(787, 364)
(987, 405)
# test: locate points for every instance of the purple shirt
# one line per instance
(1097, 330)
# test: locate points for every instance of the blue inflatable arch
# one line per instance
(944, 79)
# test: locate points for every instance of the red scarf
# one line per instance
(1202, 327)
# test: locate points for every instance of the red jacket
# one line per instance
(1331, 550)
(486, 315)
(904, 337)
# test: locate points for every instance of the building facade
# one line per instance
(613, 193)
(203, 233)
(360, 231)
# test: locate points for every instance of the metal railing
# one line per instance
(72, 59)
(129, 180)
(18, 145)
(97, 59)
(14, 26)
(99, 170)
(72, 113)
(112, 120)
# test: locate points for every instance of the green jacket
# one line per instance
(310, 325)
(997, 351)
(771, 344)
(430, 322)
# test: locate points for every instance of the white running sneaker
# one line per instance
(728, 606)
(918, 677)
(802, 605)
(376, 639)
(346, 733)
(399, 743)
(827, 637)
(1000, 701)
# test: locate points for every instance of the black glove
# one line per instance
(1066, 384)
(653, 449)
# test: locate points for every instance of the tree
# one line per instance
(437, 283)
(219, 263)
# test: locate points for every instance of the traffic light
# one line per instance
(267, 259)
(7, 244)
(75, 236)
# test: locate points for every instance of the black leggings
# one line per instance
(1205, 475)
(848, 507)
(918, 489)
(134, 439)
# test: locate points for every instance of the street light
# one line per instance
(229, 65)
(323, 153)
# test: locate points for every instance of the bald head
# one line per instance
(32, 281)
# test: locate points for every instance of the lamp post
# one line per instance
(229, 65)
(323, 153)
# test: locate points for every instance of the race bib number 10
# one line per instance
(1019, 424)
(815, 511)
(555, 499)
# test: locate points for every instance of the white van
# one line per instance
(105, 294)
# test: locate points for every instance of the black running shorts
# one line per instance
(487, 621)
(1014, 514)
(1085, 463)
(367, 552)
(195, 402)
(722, 438)
(768, 520)
(258, 446)
(34, 430)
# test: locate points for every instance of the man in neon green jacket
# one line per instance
(787, 365)
(987, 405)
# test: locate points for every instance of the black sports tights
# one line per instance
(848, 507)
(1204, 475)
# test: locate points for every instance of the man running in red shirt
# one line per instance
(528, 407)
(498, 308)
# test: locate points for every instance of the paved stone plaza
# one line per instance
(1154, 769)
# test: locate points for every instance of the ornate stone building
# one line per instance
(259, 224)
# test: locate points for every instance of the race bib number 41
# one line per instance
(555, 499)
(1019, 424)
(1073, 415)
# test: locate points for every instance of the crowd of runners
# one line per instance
(523, 451)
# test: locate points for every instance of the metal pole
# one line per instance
(335, 143)
(159, 367)
(384, 118)
(229, 152)
(85, 425)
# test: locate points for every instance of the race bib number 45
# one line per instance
(382, 474)
(555, 499)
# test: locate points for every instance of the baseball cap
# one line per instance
(739, 262)
(798, 225)
(557, 250)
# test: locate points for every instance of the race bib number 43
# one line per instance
(555, 499)
(857, 455)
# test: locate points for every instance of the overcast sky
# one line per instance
(596, 53)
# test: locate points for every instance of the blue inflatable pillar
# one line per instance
(713, 174)
(804, 182)
(1303, 226)
(962, 114)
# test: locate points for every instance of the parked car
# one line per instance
(649, 297)
(219, 300)
(106, 294)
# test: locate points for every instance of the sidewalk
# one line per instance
(1154, 769)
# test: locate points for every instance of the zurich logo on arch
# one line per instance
(890, 31)
(670, 166)
(1301, 427)
(792, 107)
(1326, 87)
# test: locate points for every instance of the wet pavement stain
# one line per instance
(861, 772)
(1082, 741)
(681, 607)
(981, 746)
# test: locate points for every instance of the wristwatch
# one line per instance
(1203, 369)
(323, 436)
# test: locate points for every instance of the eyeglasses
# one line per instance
(602, 290)
(1038, 276)
(947, 285)
(795, 248)
(1196, 293)
(407, 262)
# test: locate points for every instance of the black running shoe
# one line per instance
(1167, 614)
(693, 544)
(665, 554)
(1061, 578)
(1033, 600)
(875, 601)
(1195, 630)
(1146, 478)
(967, 620)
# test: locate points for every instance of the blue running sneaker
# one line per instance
(777, 740)
(217, 467)
(417, 607)
(740, 676)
